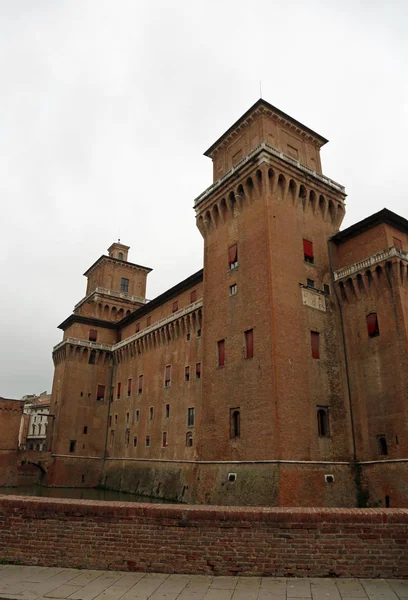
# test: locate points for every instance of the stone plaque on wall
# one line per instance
(313, 299)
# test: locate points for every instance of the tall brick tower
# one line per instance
(274, 387)
(84, 366)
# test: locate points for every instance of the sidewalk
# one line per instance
(38, 583)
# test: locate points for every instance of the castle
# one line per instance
(277, 375)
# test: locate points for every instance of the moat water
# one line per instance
(79, 494)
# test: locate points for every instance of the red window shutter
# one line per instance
(93, 334)
(175, 306)
(308, 249)
(198, 369)
(148, 321)
(101, 392)
(129, 387)
(249, 343)
(314, 335)
(372, 324)
(233, 254)
(168, 372)
(221, 353)
(119, 386)
(137, 327)
(397, 243)
(193, 297)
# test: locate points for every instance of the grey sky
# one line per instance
(107, 107)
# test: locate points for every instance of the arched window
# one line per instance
(120, 255)
(382, 445)
(235, 423)
(323, 422)
(189, 439)
(33, 429)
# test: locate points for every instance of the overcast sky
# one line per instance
(107, 106)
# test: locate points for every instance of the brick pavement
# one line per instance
(47, 583)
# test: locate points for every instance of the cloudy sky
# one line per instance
(107, 106)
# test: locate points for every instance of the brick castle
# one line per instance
(277, 375)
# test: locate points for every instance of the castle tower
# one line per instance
(274, 386)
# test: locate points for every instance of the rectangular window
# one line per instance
(310, 283)
(323, 421)
(188, 337)
(140, 386)
(315, 341)
(221, 353)
(190, 417)
(127, 437)
(193, 296)
(164, 439)
(86, 430)
(124, 285)
(129, 390)
(198, 333)
(137, 327)
(137, 416)
(72, 445)
(118, 390)
(233, 256)
(93, 335)
(100, 394)
(308, 251)
(186, 373)
(235, 423)
(147, 441)
(135, 441)
(148, 321)
(175, 306)
(372, 325)
(233, 289)
(127, 417)
(167, 376)
(326, 288)
(167, 411)
(198, 370)
(249, 343)
(151, 413)
(397, 243)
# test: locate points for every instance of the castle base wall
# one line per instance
(204, 540)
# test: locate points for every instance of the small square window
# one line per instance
(310, 283)
(233, 289)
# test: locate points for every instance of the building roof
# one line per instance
(117, 260)
(383, 216)
(10, 399)
(266, 105)
(87, 321)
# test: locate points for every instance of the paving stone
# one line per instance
(298, 588)
(86, 576)
(129, 579)
(218, 594)
(399, 586)
(145, 587)
(63, 591)
(265, 594)
(224, 583)
(114, 592)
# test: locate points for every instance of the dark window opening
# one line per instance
(198, 370)
(382, 445)
(235, 423)
(120, 255)
(72, 445)
(129, 389)
(116, 419)
(135, 441)
(308, 251)
(188, 337)
(118, 390)
(147, 441)
(124, 285)
(137, 415)
(190, 417)
(233, 289)
(167, 377)
(372, 325)
(189, 439)
(233, 256)
(387, 502)
(83, 478)
(323, 422)
(92, 357)
(198, 333)
(187, 374)
(326, 288)
(221, 353)
(93, 335)
(249, 343)
(100, 394)
(127, 437)
(167, 411)
(81, 394)
(140, 386)
(164, 439)
(315, 343)
(85, 430)
(151, 413)
(310, 283)
(127, 417)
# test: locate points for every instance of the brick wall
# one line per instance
(211, 540)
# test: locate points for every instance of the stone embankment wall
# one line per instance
(204, 539)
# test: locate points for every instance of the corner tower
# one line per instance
(271, 332)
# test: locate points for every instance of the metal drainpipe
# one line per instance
(345, 350)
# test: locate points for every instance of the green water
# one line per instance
(78, 494)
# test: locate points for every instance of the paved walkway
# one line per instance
(44, 583)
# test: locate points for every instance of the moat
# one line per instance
(79, 494)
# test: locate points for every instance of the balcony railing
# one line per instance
(370, 261)
(112, 294)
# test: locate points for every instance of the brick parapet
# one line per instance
(205, 539)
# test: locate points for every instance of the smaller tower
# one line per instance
(119, 251)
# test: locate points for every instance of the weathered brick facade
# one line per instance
(275, 376)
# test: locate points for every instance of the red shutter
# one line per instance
(221, 353)
(397, 243)
(249, 342)
(168, 369)
(164, 439)
(101, 392)
(193, 296)
(175, 306)
(140, 388)
(93, 334)
(129, 387)
(233, 254)
(372, 324)
(308, 249)
(314, 335)
(119, 386)
(198, 369)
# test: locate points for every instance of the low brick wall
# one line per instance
(204, 539)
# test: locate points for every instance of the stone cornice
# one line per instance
(263, 151)
(369, 262)
(123, 263)
(112, 294)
